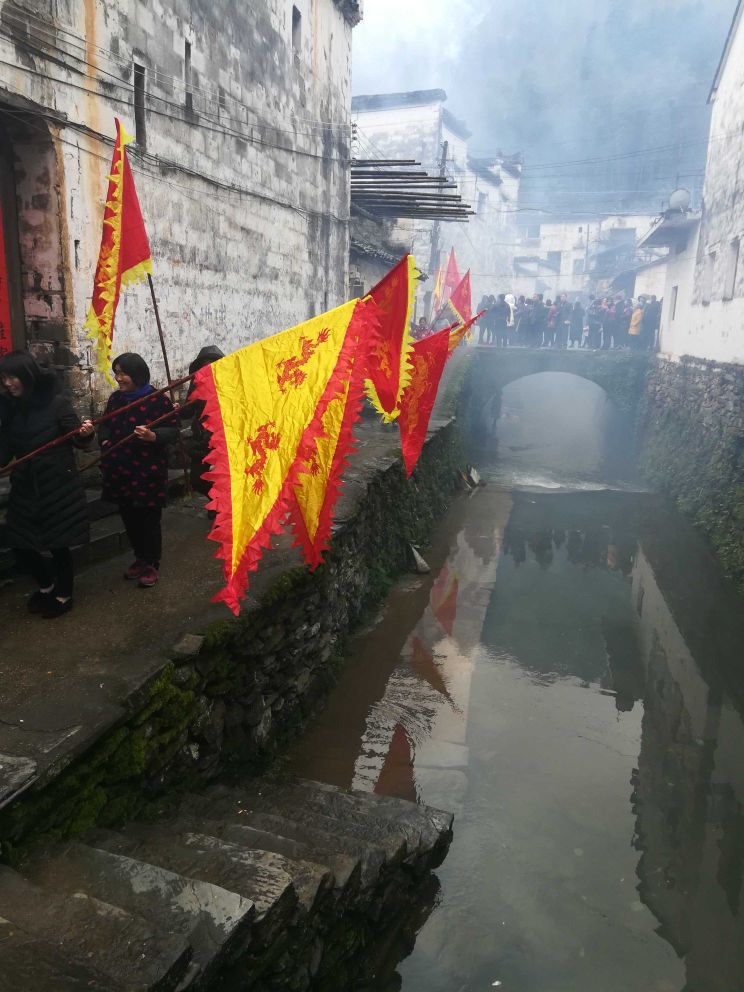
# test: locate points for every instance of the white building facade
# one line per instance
(417, 125)
(241, 114)
(703, 315)
(577, 256)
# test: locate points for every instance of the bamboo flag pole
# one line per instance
(181, 445)
(64, 438)
(130, 437)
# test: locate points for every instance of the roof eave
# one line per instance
(726, 50)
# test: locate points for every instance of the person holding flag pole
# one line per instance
(124, 258)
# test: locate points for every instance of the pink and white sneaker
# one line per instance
(148, 577)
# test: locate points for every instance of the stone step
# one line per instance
(320, 812)
(251, 875)
(422, 827)
(107, 535)
(28, 964)
(343, 871)
(214, 921)
(104, 937)
(346, 856)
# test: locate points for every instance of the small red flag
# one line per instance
(428, 357)
(452, 277)
(389, 369)
(124, 256)
(460, 299)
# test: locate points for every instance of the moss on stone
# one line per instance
(692, 450)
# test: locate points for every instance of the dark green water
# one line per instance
(568, 680)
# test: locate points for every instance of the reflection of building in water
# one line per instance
(689, 794)
(415, 736)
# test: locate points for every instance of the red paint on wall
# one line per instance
(6, 344)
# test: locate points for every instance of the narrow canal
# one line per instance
(567, 680)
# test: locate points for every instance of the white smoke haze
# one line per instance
(560, 82)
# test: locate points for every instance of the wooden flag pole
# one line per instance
(181, 445)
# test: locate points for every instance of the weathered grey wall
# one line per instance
(693, 448)
(243, 179)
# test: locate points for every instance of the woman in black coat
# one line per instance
(47, 511)
(135, 475)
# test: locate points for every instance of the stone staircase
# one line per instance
(269, 886)
(107, 535)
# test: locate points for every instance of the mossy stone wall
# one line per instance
(692, 449)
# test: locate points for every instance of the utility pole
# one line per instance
(434, 256)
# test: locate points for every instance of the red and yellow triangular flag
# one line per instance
(317, 488)
(124, 255)
(452, 277)
(265, 407)
(429, 357)
(436, 299)
(389, 371)
(460, 299)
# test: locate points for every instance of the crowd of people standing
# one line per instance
(536, 322)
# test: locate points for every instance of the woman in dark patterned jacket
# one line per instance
(47, 511)
(135, 475)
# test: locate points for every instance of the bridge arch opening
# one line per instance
(557, 429)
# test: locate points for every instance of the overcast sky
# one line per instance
(557, 80)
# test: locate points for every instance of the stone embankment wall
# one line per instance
(230, 697)
(692, 448)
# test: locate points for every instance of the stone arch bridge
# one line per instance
(622, 375)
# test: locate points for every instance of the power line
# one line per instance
(178, 119)
(43, 27)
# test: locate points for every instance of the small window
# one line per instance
(673, 306)
(189, 101)
(732, 270)
(706, 289)
(140, 132)
(581, 230)
(482, 198)
(554, 260)
(578, 267)
(533, 232)
(222, 103)
(296, 33)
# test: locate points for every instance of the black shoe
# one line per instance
(55, 608)
(38, 601)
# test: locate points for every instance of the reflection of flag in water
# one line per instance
(425, 667)
(444, 599)
(396, 777)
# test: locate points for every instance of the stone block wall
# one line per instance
(231, 696)
(692, 448)
(241, 163)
